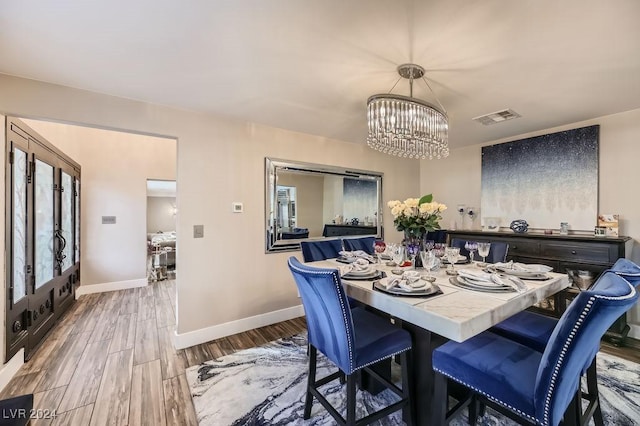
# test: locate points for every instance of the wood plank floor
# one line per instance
(111, 361)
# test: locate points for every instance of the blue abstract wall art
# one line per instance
(544, 179)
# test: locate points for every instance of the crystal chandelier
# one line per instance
(407, 127)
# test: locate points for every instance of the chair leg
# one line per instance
(440, 398)
(406, 394)
(592, 390)
(308, 400)
(351, 400)
(474, 407)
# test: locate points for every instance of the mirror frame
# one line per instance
(273, 165)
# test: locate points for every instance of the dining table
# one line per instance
(455, 313)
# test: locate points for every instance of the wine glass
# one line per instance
(429, 260)
(412, 251)
(452, 254)
(429, 244)
(471, 247)
(438, 249)
(397, 254)
(379, 247)
(483, 250)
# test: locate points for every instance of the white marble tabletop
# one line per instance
(457, 314)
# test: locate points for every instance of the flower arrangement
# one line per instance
(417, 216)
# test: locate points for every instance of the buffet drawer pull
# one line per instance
(573, 252)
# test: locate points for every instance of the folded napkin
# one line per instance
(408, 281)
(508, 280)
(360, 254)
(359, 265)
(522, 267)
(492, 278)
(475, 274)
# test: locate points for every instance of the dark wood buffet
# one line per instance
(565, 253)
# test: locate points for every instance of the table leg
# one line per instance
(421, 376)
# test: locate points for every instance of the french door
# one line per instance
(42, 236)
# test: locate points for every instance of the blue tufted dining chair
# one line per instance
(534, 330)
(526, 385)
(365, 244)
(320, 250)
(352, 339)
(497, 252)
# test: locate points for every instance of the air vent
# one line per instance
(497, 117)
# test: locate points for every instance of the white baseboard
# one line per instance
(112, 286)
(635, 331)
(10, 369)
(203, 335)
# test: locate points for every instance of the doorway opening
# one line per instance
(161, 229)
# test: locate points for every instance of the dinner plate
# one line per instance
(429, 289)
(346, 259)
(371, 276)
(461, 260)
(524, 274)
(524, 269)
(459, 282)
(480, 283)
(361, 272)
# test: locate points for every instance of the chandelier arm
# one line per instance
(435, 96)
(394, 86)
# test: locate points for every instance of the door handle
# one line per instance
(62, 243)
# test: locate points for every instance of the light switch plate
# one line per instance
(237, 207)
(108, 220)
(198, 231)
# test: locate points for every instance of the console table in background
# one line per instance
(340, 230)
(562, 252)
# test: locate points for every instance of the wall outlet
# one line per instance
(198, 231)
(237, 207)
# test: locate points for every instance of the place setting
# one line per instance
(531, 271)
(410, 283)
(349, 257)
(360, 269)
(490, 282)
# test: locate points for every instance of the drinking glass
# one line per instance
(438, 249)
(483, 250)
(471, 247)
(379, 247)
(397, 254)
(429, 260)
(452, 254)
(412, 251)
(429, 244)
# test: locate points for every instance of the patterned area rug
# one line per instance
(266, 386)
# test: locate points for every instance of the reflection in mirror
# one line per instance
(312, 201)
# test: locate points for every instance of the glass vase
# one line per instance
(413, 246)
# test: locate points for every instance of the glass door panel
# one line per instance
(19, 220)
(66, 221)
(44, 212)
(77, 221)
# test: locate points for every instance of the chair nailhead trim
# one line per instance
(572, 334)
(492, 398)
(336, 282)
(381, 358)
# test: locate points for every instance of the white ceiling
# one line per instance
(310, 65)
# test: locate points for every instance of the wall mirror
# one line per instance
(305, 201)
